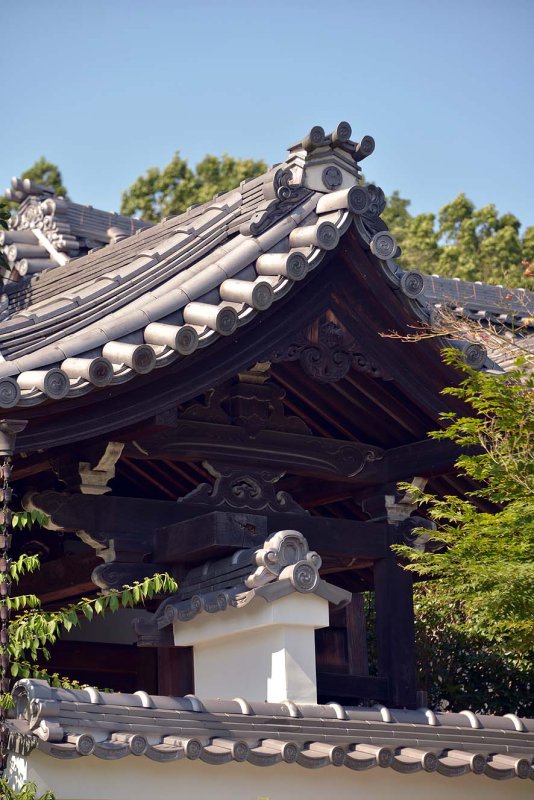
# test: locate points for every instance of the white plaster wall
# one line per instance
(276, 664)
(264, 651)
(132, 778)
(307, 610)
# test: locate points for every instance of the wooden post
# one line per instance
(175, 671)
(356, 637)
(395, 632)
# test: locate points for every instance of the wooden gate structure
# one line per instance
(192, 387)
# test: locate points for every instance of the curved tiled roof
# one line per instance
(155, 297)
(70, 724)
(47, 230)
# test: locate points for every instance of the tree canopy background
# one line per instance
(462, 241)
(161, 193)
(46, 173)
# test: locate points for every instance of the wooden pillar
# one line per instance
(356, 637)
(175, 671)
(395, 631)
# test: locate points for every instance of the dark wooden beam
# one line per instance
(306, 455)
(357, 652)
(211, 535)
(395, 632)
(217, 533)
(336, 537)
(109, 514)
(62, 578)
(425, 458)
(175, 671)
(134, 521)
(335, 686)
(190, 440)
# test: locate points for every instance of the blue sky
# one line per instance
(108, 88)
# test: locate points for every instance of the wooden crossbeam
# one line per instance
(217, 533)
(352, 687)
(61, 578)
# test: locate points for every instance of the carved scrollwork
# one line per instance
(243, 488)
(281, 196)
(282, 550)
(251, 406)
(418, 532)
(282, 188)
(330, 357)
(352, 461)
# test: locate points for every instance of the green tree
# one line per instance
(478, 244)
(480, 601)
(528, 245)
(161, 193)
(46, 174)
(460, 668)
(462, 241)
(33, 629)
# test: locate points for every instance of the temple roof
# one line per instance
(49, 230)
(70, 724)
(150, 300)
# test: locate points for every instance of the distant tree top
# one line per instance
(162, 193)
(46, 174)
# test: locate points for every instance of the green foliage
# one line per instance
(27, 792)
(25, 519)
(462, 241)
(46, 174)
(460, 668)
(34, 629)
(528, 245)
(485, 574)
(162, 193)
(4, 212)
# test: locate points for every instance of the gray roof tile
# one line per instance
(67, 723)
(113, 293)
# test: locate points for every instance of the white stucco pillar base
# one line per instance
(264, 651)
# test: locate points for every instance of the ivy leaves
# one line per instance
(34, 629)
(25, 519)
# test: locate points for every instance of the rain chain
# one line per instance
(5, 588)
(8, 432)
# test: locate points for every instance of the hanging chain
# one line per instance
(5, 590)
(8, 434)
